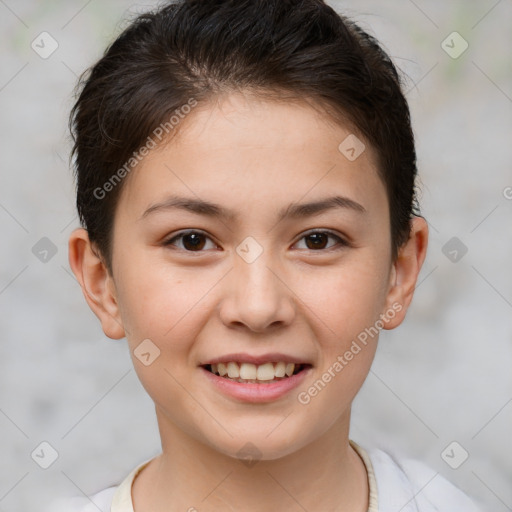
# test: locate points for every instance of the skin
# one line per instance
(294, 298)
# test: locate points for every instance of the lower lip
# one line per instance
(253, 392)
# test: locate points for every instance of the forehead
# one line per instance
(246, 152)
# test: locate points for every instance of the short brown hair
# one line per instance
(196, 49)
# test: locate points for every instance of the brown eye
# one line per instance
(191, 241)
(318, 240)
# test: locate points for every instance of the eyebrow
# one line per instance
(294, 210)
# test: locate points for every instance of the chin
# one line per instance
(260, 444)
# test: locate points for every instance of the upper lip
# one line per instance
(240, 357)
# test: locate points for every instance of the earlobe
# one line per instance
(405, 271)
(97, 284)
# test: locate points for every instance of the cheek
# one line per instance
(346, 299)
(347, 309)
(165, 306)
(330, 395)
(156, 300)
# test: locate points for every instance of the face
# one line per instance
(254, 276)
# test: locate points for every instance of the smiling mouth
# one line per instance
(259, 374)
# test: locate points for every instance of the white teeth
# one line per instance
(233, 370)
(280, 369)
(249, 372)
(221, 369)
(265, 371)
(290, 367)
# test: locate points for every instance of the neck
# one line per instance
(325, 475)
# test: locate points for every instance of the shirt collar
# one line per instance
(122, 500)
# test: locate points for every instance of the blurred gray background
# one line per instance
(444, 376)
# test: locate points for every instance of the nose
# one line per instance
(257, 295)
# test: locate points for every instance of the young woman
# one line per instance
(245, 182)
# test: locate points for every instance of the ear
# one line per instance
(404, 273)
(97, 284)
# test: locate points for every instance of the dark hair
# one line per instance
(192, 50)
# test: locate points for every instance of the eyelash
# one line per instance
(341, 242)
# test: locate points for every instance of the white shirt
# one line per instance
(396, 485)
